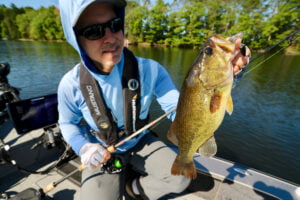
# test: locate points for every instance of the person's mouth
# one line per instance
(111, 50)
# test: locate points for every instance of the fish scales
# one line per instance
(204, 97)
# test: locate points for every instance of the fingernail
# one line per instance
(243, 49)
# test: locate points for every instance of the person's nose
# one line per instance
(108, 36)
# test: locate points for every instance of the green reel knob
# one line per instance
(117, 163)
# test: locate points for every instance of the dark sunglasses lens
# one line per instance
(97, 31)
(94, 32)
(116, 25)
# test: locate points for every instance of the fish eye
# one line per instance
(208, 50)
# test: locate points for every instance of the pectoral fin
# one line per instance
(209, 148)
(229, 106)
(215, 101)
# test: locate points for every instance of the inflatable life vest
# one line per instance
(108, 131)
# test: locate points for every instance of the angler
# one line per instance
(124, 86)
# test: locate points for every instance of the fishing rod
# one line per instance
(275, 45)
(246, 70)
(111, 149)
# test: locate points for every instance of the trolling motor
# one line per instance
(8, 93)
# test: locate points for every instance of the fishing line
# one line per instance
(257, 65)
(289, 37)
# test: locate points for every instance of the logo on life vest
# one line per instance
(92, 99)
(133, 84)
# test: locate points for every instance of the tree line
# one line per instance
(28, 23)
(182, 23)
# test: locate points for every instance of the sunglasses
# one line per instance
(97, 31)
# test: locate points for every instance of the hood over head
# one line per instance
(70, 10)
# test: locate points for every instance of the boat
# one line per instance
(36, 163)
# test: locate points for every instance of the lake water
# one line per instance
(263, 132)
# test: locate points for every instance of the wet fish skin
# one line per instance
(205, 96)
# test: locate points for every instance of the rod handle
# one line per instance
(81, 168)
(48, 188)
(111, 149)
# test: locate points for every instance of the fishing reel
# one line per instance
(114, 165)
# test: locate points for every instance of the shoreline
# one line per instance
(30, 40)
(288, 51)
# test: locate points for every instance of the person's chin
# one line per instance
(112, 56)
(111, 62)
(113, 59)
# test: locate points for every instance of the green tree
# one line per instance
(135, 20)
(23, 22)
(185, 27)
(156, 23)
(51, 26)
(283, 20)
(46, 25)
(249, 21)
(181, 23)
(8, 25)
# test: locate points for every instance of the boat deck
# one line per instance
(217, 178)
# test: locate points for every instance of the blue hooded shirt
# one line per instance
(155, 83)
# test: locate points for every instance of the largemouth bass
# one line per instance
(205, 96)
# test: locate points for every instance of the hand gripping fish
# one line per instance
(205, 96)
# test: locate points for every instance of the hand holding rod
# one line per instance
(110, 149)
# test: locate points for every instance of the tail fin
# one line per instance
(186, 169)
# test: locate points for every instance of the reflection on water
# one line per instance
(265, 122)
(263, 132)
(37, 67)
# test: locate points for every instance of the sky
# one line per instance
(36, 4)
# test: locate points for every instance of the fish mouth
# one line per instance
(222, 44)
